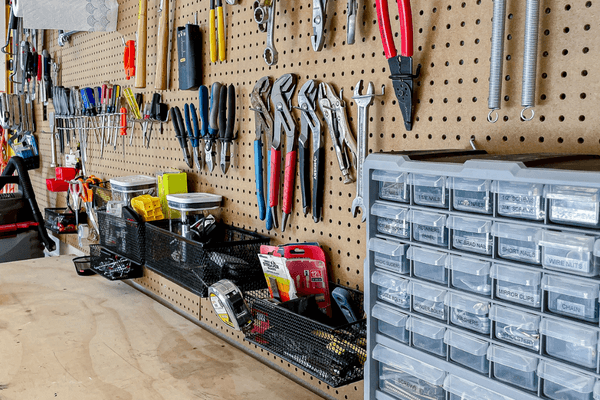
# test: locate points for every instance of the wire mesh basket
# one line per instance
(112, 266)
(332, 350)
(102, 194)
(125, 237)
(231, 253)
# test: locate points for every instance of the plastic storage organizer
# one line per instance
(482, 279)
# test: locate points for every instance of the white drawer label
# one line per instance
(570, 308)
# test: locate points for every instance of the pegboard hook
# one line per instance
(523, 114)
(489, 117)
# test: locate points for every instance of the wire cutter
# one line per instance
(203, 109)
(310, 122)
(263, 123)
(281, 95)
(401, 67)
(213, 127)
(334, 111)
(318, 22)
(227, 134)
(181, 134)
(194, 131)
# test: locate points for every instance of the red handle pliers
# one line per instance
(401, 67)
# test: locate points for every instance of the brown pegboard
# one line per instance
(452, 43)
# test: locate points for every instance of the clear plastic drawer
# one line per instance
(569, 252)
(468, 351)
(391, 322)
(431, 191)
(429, 300)
(427, 336)
(572, 298)
(520, 200)
(391, 220)
(390, 255)
(470, 275)
(516, 327)
(518, 242)
(471, 195)
(570, 343)
(514, 367)
(393, 289)
(429, 264)
(518, 285)
(470, 234)
(562, 383)
(429, 228)
(571, 205)
(469, 312)
(393, 186)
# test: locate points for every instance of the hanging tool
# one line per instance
(146, 123)
(228, 136)
(181, 134)
(532, 22)
(159, 113)
(162, 54)
(222, 115)
(212, 32)
(263, 123)
(203, 110)
(352, 10)
(213, 127)
(189, 51)
(264, 15)
(281, 95)
(123, 126)
(216, 34)
(310, 123)
(401, 67)
(363, 101)
(334, 111)
(129, 58)
(496, 59)
(142, 36)
(11, 31)
(319, 20)
(193, 130)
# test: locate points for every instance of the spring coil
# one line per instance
(530, 57)
(496, 58)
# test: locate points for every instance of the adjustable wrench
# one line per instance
(363, 102)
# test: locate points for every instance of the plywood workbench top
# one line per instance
(83, 338)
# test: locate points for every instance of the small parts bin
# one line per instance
(391, 322)
(471, 195)
(561, 383)
(469, 312)
(569, 252)
(468, 351)
(571, 205)
(570, 343)
(429, 264)
(572, 298)
(470, 275)
(427, 336)
(390, 255)
(469, 234)
(126, 188)
(517, 285)
(514, 367)
(391, 220)
(429, 227)
(429, 300)
(520, 200)
(461, 389)
(406, 377)
(431, 191)
(393, 186)
(516, 327)
(518, 242)
(392, 289)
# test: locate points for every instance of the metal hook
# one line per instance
(472, 142)
(523, 114)
(489, 117)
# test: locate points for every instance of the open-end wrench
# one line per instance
(363, 101)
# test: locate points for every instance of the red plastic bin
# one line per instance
(54, 185)
(65, 174)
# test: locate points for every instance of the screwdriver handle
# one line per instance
(123, 130)
(288, 183)
(221, 33)
(212, 35)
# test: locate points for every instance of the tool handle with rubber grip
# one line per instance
(142, 37)
(304, 160)
(385, 29)
(258, 173)
(162, 54)
(223, 112)
(212, 35)
(188, 121)
(318, 174)
(269, 217)
(203, 105)
(274, 178)
(154, 105)
(123, 125)
(196, 132)
(221, 33)
(230, 112)
(39, 67)
(288, 183)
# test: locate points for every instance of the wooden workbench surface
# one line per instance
(68, 337)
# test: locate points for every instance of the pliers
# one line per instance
(203, 106)
(281, 95)
(334, 111)
(401, 67)
(194, 131)
(213, 127)
(181, 134)
(263, 123)
(227, 134)
(318, 22)
(310, 122)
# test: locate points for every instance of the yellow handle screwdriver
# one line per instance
(221, 30)
(212, 33)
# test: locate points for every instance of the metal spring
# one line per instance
(496, 58)
(530, 57)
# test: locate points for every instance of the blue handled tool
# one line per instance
(210, 153)
(194, 133)
(343, 299)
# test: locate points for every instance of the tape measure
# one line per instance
(229, 304)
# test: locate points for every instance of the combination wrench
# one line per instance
(264, 15)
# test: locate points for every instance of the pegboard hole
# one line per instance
(563, 96)
(563, 74)
(541, 139)
(585, 50)
(567, 7)
(566, 30)
(580, 140)
(584, 73)
(542, 118)
(560, 140)
(582, 96)
(582, 118)
(586, 27)
(565, 52)
(522, 138)
(588, 4)
(546, 32)
(544, 75)
(561, 118)
(548, 10)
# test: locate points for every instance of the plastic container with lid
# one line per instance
(428, 264)
(427, 336)
(461, 389)
(391, 322)
(391, 220)
(562, 383)
(520, 200)
(572, 298)
(470, 234)
(406, 377)
(569, 252)
(469, 312)
(572, 205)
(514, 367)
(125, 188)
(429, 227)
(470, 275)
(390, 255)
(468, 351)
(518, 242)
(393, 186)
(516, 327)
(430, 190)
(570, 343)
(393, 289)
(429, 300)
(471, 195)
(518, 285)
(189, 202)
